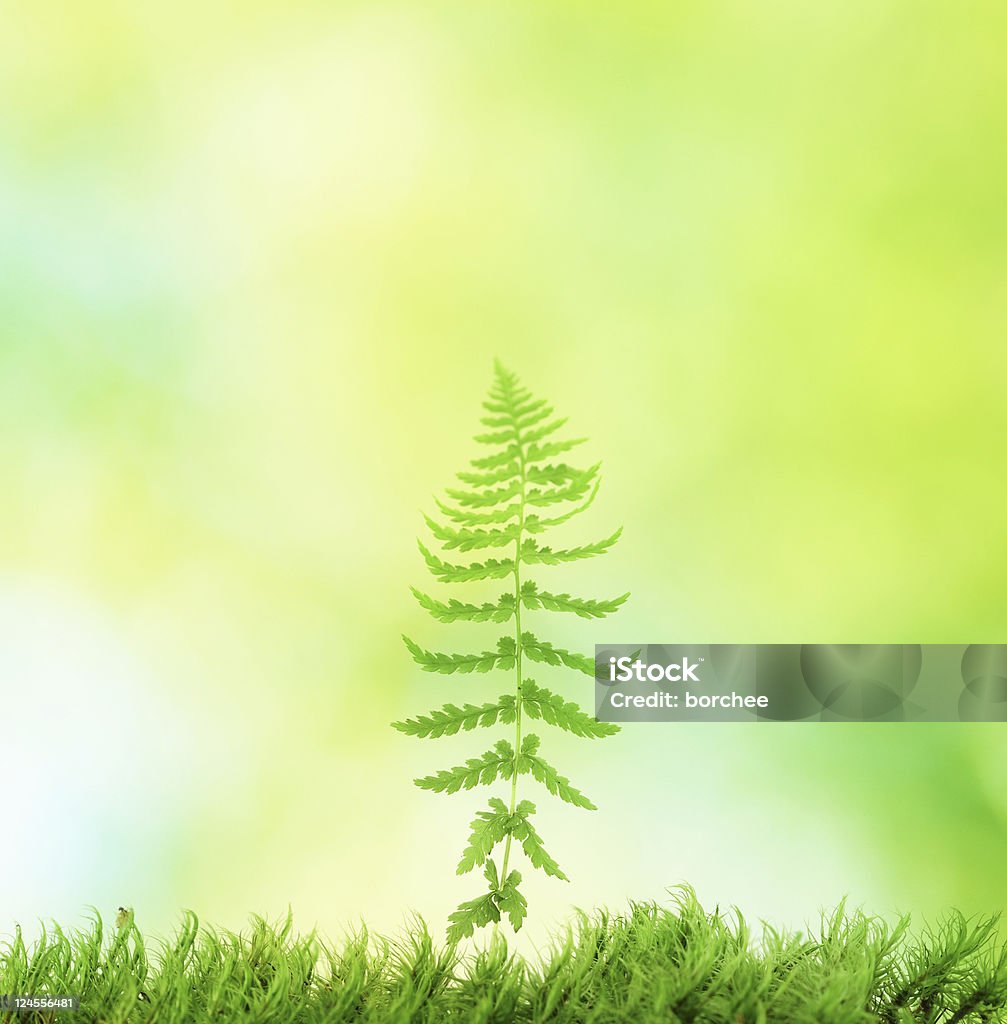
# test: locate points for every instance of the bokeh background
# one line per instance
(255, 262)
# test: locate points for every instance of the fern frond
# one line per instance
(487, 829)
(482, 770)
(512, 410)
(469, 518)
(448, 664)
(454, 611)
(535, 555)
(506, 382)
(494, 406)
(559, 785)
(511, 902)
(507, 471)
(501, 503)
(472, 540)
(573, 491)
(509, 389)
(587, 608)
(531, 413)
(541, 452)
(556, 473)
(491, 827)
(523, 406)
(502, 897)
(447, 572)
(516, 417)
(496, 437)
(491, 875)
(552, 709)
(449, 719)
(497, 421)
(484, 499)
(470, 915)
(538, 433)
(543, 651)
(497, 459)
(531, 842)
(534, 524)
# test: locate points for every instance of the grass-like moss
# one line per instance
(651, 963)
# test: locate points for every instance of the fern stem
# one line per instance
(517, 659)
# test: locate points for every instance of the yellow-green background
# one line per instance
(255, 262)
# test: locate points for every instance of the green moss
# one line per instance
(650, 963)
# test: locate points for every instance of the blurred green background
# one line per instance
(255, 262)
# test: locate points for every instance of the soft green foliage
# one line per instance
(539, 702)
(650, 964)
(498, 509)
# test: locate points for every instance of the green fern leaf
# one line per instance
(495, 407)
(541, 452)
(491, 876)
(470, 915)
(446, 572)
(552, 709)
(572, 491)
(448, 664)
(487, 829)
(538, 433)
(534, 599)
(496, 437)
(472, 540)
(531, 413)
(558, 474)
(528, 760)
(531, 842)
(541, 650)
(448, 720)
(511, 397)
(515, 408)
(512, 407)
(532, 554)
(497, 459)
(534, 524)
(506, 385)
(500, 507)
(496, 421)
(511, 902)
(484, 499)
(482, 770)
(507, 471)
(468, 518)
(516, 416)
(454, 611)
